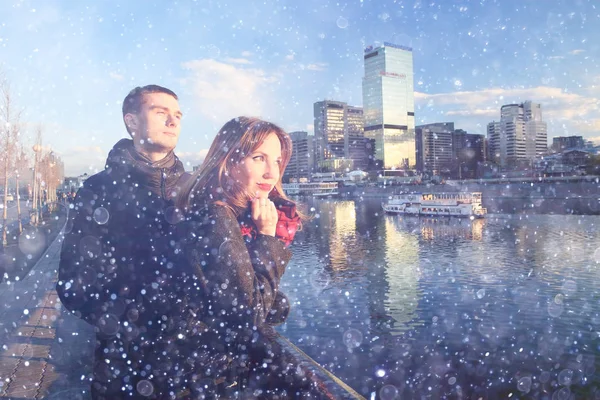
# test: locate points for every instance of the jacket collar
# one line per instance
(126, 163)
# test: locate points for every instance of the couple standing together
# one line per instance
(178, 273)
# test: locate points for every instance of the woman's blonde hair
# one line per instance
(236, 140)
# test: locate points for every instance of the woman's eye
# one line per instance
(258, 158)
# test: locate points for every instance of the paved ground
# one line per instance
(46, 353)
(12, 209)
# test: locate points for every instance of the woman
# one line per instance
(238, 224)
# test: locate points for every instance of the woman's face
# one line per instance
(260, 171)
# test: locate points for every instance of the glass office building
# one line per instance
(329, 129)
(388, 104)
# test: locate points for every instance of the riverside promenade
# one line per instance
(45, 352)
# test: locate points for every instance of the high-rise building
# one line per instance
(434, 147)
(561, 143)
(520, 136)
(302, 162)
(356, 147)
(469, 151)
(329, 129)
(388, 103)
(338, 133)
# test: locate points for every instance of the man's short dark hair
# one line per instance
(134, 100)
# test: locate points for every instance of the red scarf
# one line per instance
(288, 222)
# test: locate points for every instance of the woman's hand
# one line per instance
(264, 215)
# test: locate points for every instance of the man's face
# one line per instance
(156, 127)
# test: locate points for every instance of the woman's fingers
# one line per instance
(264, 215)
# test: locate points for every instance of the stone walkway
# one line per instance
(45, 353)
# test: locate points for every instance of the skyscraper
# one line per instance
(434, 147)
(388, 104)
(301, 163)
(520, 136)
(329, 129)
(338, 128)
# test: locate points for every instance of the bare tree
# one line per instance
(37, 150)
(9, 134)
(22, 163)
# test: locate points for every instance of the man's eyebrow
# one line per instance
(178, 112)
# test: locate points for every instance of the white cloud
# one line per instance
(247, 54)
(317, 67)
(192, 159)
(488, 112)
(116, 76)
(290, 57)
(565, 112)
(238, 61)
(556, 58)
(223, 91)
(555, 101)
(577, 51)
(594, 139)
(80, 159)
(588, 126)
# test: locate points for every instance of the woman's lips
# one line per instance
(264, 186)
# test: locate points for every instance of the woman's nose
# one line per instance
(270, 171)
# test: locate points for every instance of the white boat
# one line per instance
(457, 204)
(316, 189)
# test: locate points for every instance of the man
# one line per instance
(114, 256)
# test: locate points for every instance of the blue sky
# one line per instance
(71, 63)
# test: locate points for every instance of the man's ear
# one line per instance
(131, 121)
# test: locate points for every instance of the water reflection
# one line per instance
(449, 228)
(448, 308)
(401, 272)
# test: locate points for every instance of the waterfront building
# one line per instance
(434, 147)
(468, 152)
(329, 129)
(356, 146)
(339, 133)
(443, 150)
(361, 151)
(340, 165)
(388, 102)
(561, 143)
(302, 162)
(73, 183)
(520, 136)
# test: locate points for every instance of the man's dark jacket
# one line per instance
(113, 262)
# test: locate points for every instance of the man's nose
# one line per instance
(171, 121)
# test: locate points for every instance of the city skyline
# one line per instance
(71, 64)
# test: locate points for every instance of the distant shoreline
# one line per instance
(556, 197)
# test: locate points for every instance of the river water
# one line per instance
(408, 307)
